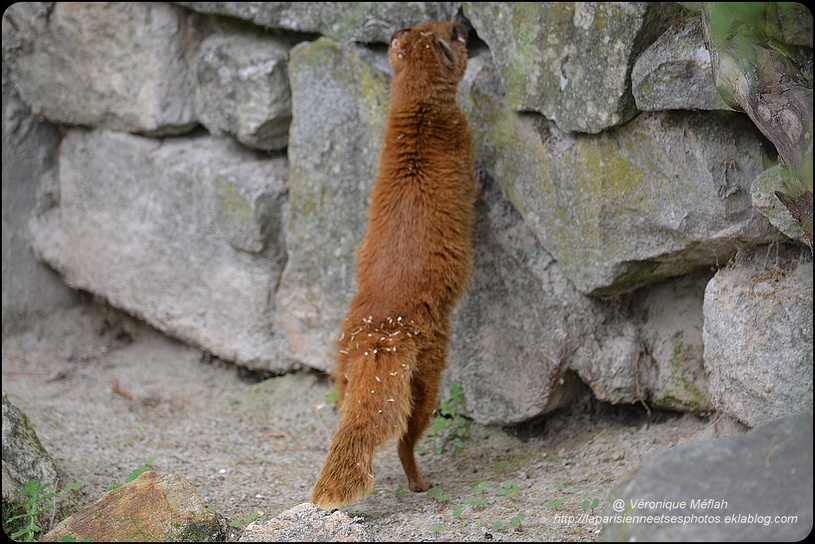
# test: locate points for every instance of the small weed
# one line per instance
(243, 521)
(457, 510)
(508, 489)
(554, 503)
(331, 396)
(400, 492)
(438, 494)
(501, 466)
(560, 486)
(477, 503)
(480, 487)
(450, 418)
(134, 474)
(592, 504)
(515, 522)
(70, 493)
(33, 490)
(436, 528)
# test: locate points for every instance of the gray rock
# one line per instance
(662, 196)
(569, 62)
(671, 369)
(183, 233)
(243, 90)
(674, 72)
(755, 487)
(307, 523)
(767, 204)
(368, 22)
(24, 459)
(758, 335)
(30, 289)
(518, 322)
(116, 66)
(334, 144)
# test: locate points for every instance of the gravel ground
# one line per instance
(108, 394)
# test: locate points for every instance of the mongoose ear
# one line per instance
(396, 36)
(459, 32)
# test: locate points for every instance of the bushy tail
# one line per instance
(376, 407)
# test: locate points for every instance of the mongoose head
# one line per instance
(437, 49)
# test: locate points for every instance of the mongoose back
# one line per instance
(412, 266)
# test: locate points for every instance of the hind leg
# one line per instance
(341, 378)
(425, 395)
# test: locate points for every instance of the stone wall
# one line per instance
(215, 159)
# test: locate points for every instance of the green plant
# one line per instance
(554, 503)
(592, 504)
(242, 521)
(331, 396)
(33, 490)
(515, 522)
(450, 418)
(400, 492)
(480, 487)
(508, 489)
(560, 486)
(134, 474)
(437, 493)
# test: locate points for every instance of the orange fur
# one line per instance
(413, 265)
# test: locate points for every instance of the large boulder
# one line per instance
(758, 335)
(152, 508)
(116, 66)
(184, 233)
(755, 487)
(24, 459)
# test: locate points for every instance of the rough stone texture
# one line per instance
(118, 66)
(352, 21)
(184, 233)
(767, 204)
(661, 196)
(24, 459)
(570, 61)
(243, 90)
(758, 335)
(152, 508)
(671, 372)
(674, 72)
(519, 317)
(30, 289)
(198, 236)
(335, 139)
(739, 484)
(307, 523)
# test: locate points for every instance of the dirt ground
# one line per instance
(107, 394)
